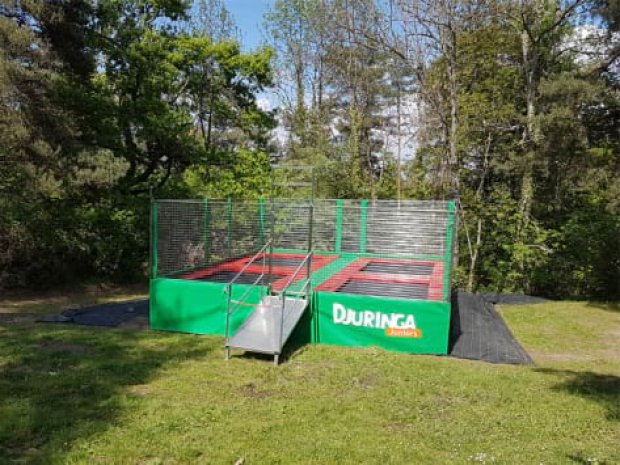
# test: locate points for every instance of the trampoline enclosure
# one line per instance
(380, 273)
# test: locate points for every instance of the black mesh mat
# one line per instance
(102, 315)
(513, 299)
(478, 332)
(396, 268)
(245, 278)
(401, 291)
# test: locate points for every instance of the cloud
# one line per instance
(264, 103)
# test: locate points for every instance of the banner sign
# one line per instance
(392, 324)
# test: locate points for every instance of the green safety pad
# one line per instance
(324, 273)
(197, 307)
(411, 326)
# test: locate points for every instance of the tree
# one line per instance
(99, 101)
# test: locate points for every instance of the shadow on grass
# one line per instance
(604, 389)
(291, 349)
(606, 306)
(59, 384)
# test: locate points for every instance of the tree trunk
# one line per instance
(399, 147)
(454, 122)
(531, 131)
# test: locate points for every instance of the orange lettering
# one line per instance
(396, 332)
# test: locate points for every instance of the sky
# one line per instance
(248, 15)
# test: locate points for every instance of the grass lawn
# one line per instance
(73, 395)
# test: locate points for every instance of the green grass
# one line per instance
(81, 395)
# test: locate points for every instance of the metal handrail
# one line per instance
(294, 275)
(245, 267)
(245, 295)
(308, 261)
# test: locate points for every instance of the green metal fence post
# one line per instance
(205, 232)
(363, 224)
(229, 208)
(261, 220)
(339, 225)
(154, 238)
(447, 263)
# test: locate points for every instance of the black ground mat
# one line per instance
(513, 299)
(478, 332)
(102, 315)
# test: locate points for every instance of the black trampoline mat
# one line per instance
(400, 291)
(245, 278)
(293, 262)
(400, 268)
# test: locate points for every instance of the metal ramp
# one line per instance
(273, 319)
(269, 326)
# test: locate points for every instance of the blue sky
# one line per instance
(248, 15)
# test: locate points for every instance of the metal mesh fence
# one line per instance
(195, 234)
(290, 223)
(180, 231)
(380, 243)
(407, 228)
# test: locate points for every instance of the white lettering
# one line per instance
(340, 314)
(370, 319)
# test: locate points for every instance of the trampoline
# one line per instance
(393, 278)
(282, 268)
(361, 273)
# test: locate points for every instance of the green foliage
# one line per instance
(244, 175)
(560, 238)
(103, 103)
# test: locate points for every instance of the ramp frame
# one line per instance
(272, 321)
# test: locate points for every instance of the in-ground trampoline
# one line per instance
(406, 279)
(348, 273)
(266, 269)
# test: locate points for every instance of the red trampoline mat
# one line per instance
(397, 278)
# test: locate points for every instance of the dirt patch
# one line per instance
(252, 392)
(363, 382)
(613, 349)
(398, 427)
(59, 346)
(140, 390)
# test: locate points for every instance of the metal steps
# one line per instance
(269, 326)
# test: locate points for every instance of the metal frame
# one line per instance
(349, 230)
